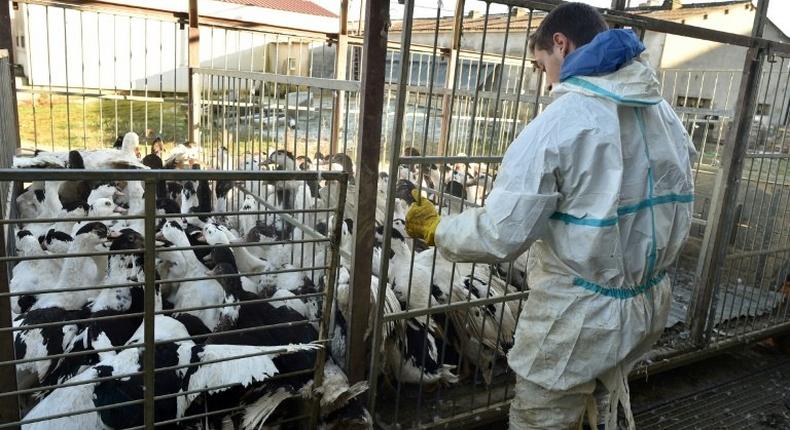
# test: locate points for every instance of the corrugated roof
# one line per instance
(297, 6)
(498, 22)
(691, 10)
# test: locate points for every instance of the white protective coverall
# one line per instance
(600, 186)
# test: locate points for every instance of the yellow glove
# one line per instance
(422, 219)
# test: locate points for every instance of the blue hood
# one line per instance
(606, 53)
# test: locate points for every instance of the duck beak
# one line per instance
(119, 209)
(160, 237)
(113, 234)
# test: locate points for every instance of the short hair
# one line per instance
(579, 22)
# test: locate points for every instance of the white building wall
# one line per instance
(70, 48)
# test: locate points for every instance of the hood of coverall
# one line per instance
(609, 67)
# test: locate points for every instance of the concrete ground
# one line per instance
(747, 389)
(743, 389)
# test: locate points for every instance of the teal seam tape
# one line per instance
(625, 210)
(620, 293)
(608, 94)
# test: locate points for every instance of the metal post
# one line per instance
(618, 4)
(7, 42)
(341, 72)
(194, 81)
(329, 294)
(9, 407)
(449, 81)
(725, 193)
(6, 38)
(394, 158)
(368, 151)
(149, 362)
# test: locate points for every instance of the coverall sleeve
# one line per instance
(516, 212)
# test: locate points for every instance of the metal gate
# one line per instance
(436, 100)
(730, 283)
(750, 297)
(123, 334)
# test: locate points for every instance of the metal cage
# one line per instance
(436, 100)
(26, 397)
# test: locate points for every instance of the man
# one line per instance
(600, 186)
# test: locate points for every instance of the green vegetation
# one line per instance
(92, 123)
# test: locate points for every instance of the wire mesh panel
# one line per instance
(155, 301)
(442, 330)
(94, 73)
(755, 283)
(91, 75)
(457, 90)
(258, 113)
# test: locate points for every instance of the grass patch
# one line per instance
(58, 124)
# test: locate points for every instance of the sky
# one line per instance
(778, 10)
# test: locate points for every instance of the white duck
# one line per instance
(78, 271)
(221, 370)
(190, 294)
(30, 275)
(108, 158)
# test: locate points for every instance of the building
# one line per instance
(695, 73)
(101, 47)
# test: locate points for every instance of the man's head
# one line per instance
(564, 29)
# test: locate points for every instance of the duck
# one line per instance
(192, 369)
(256, 268)
(184, 264)
(125, 302)
(221, 191)
(411, 349)
(135, 191)
(56, 242)
(223, 254)
(108, 158)
(255, 313)
(273, 329)
(248, 220)
(102, 207)
(29, 276)
(484, 333)
(32, 342)
(48, 205)
(78, 271)
(123, 158)
(183, 156)
(412, 284)
(59, 307)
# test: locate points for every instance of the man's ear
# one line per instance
(562, 43)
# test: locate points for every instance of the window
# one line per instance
(292, 64)
(726, 11)
(22, 38)
(693, 102)
(763, 109)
